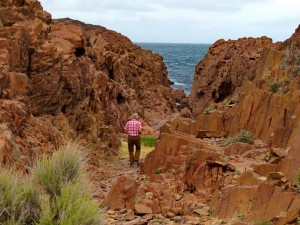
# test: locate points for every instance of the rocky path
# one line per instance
(109, 172)
(128, 217)
(189, 206)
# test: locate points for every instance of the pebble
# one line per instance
(148, 217)
(111, 212)
(149, 195)
(122, 211)
(130, 216)
(170, 215)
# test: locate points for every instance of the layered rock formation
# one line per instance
(263, 100)
(63, 79)
(249, 84)
(254, 83)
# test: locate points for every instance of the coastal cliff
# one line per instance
(62, 80)
(239, 151)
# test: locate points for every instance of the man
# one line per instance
(134, 128)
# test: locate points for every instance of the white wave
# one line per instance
(179, 84)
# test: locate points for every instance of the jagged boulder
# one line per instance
(122, 194)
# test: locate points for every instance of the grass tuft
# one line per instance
(68, 201)
(145, 148)
(243, 136)
(64, 166)
(63, 197)
(74, 210)
(19, 199)
(209, 109)
(148, 141)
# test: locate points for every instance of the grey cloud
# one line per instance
(149, 6)
(198, 20)
(96, 5)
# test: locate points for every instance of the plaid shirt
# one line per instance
(133, 127)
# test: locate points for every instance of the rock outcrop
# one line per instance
(63, 79)
(250, 84)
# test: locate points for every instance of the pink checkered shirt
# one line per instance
(133, 127)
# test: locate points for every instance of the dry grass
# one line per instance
(123, 150)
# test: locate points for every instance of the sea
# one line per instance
(180, 60)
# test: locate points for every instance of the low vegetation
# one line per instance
(279, 86)
(148, 141)
(263, 223)
(55, 193)
(157, 171)
(243, 136)
(209, 109)
(148, 144)
(19, 199)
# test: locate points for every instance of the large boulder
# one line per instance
(122, 194)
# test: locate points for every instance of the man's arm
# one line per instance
(140, 128)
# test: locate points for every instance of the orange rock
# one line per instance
(119, 198)
(248, 179)
(237, 148)
(142, 208)
(18, 83)
(265, 169)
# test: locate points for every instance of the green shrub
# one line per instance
(19, 199)
(274, 87)
(63, 197)
(237, 172)
(64, 166)
(7, 185)
(157, 171)
(280, 86)
(148, 141)
(74, 210)
(243, 136)
(28, 199)
(74, 206)
(69, 201)
(210, 211)
(209, 108)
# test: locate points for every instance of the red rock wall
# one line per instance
(254, 83)
(83, 81)
(262, 202)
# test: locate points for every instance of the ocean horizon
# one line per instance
(180, 59)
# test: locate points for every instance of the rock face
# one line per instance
(224, 68)
(66, 79)
(253, 82)
(238, 180)
(250, 84)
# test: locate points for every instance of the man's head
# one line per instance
(135, 116)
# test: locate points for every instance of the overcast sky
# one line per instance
(184, 21)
